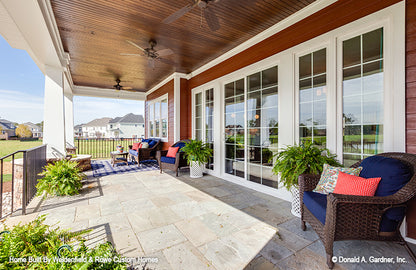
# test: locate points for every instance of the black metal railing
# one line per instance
(101, 148)
(21, 180)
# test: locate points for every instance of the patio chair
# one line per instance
(172, 163)
(336, 217)
(145, 153)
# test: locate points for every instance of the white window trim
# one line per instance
(152, 102)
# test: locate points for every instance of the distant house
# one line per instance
(128, 126)
(37, 131)
(96, 128)
(7, 129)
(78, 130)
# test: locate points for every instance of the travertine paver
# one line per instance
(205, 223)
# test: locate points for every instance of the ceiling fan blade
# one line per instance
(151, 62)
(166, 61)
(135, 45)
(180, 13)
(131, 54)
(212, 19)
(164, 52)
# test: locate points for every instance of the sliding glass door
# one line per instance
(251, 126)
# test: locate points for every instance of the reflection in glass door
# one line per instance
(204, 110)
(234, 128)
(362, 71)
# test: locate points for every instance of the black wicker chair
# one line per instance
(350, 217)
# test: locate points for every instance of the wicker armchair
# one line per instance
(172, 163)
(144, 153)
(351, 217)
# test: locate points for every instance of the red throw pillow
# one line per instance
(172, 151)
(354, 185)
(136, 146)
(140, 145)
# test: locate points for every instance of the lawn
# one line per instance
(10, 146)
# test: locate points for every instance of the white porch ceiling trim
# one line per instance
(166, 80)
(107, 93)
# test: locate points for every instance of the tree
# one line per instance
(41, 125)
(23, 131)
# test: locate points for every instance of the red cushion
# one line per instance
(172, 151)
(354, 185)
(140, 145)
(136, 146)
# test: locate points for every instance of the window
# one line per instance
(362, 88)
(312, 97)
(158, 118)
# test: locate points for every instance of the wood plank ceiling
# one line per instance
(94, 32)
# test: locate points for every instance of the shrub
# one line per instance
(38, 240)
(61, 178)
(23, 131)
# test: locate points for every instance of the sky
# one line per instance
(22, 91)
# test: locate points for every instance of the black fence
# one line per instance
(18, 185)
(101, 148)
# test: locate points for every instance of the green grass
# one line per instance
(10, 146)
(7, 178)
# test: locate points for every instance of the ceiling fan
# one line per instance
(151, 53)
(205, 6)
(119, 87)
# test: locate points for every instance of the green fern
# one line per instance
(306, 158)
(38, 240)
(198, 151)
(61, 178)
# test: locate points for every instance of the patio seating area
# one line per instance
(205, 223)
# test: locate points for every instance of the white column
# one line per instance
(54, 124)
(69, 119)
(177, 107)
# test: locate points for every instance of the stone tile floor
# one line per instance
(205, 223)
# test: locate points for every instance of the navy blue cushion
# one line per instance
(394, 175)
(165, 159)
(152, 143)
(316, 204)
(180, 145)
(133, 152)
(146, 140)
(388, 225)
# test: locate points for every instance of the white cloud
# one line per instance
(20, 107)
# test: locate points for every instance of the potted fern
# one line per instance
(197, 154)
(306, 158)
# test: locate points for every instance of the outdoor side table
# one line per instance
(118, 157)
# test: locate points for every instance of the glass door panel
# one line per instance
(234, 128)
(204, 112)
(312, 97)
(363, 89)
(262, 126)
